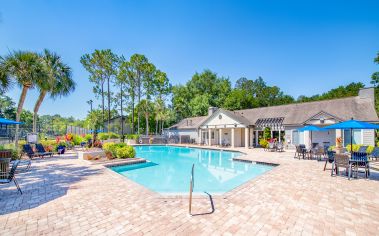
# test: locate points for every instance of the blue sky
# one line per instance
(304, 47)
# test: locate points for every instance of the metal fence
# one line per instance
(77, 130)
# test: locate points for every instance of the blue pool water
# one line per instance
(168, 169)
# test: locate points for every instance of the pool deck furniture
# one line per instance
(341, 161)
(10, 176)
(329, 158)
(360, 160)
(301, 151)
(374, 153)
(41, 150)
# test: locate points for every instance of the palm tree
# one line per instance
(57, 81)
(146, 107)
(5, 81)
(26, 68)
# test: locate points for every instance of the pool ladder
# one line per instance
(192, 182)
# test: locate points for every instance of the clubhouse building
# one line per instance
(244, 128)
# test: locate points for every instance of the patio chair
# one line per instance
(360, 160)
(363, 149)
(341, 161)
(271, 147)
(329, 159)
(318, 153)
(300, 151)
(41, 150)
(279, 147)
(11, 176)
(374, 153)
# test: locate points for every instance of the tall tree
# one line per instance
(101, 65)
(138, 62)
(57, 81)
(26, 68)
(375, 82)
(146, 108)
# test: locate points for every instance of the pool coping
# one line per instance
(224, 195)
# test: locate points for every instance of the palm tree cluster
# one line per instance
(136, 80)
(45, 71)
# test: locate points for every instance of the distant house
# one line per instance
(244, 128)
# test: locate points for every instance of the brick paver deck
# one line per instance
(64, 196)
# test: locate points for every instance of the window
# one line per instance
(357, 137)
(295, 137)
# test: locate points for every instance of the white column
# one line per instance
(210, 137)
(246, 137)
(339, 135)
(200, 136)
(271, 133)
(233, 137)
(220, 136)
(280, 139)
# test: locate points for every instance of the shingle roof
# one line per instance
(343, 108)
(189, 123)
(294, 114)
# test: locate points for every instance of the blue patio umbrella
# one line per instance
(350, 125)
(311, 128)
(4, 121)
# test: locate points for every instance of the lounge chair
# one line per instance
(11, 176)
(41, 150)
(341, 160)
(330, 158)
(374, 153)
(28, 150)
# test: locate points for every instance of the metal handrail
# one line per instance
(192, 183)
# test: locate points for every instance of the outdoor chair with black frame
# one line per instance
(360, 160)
(41, 150)
(10, 176)
(374, 154)
(329, 158)
(300, 151)
(341, 161)
(317, 153)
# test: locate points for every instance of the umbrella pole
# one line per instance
(351, 142)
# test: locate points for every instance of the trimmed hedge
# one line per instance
(119, 150)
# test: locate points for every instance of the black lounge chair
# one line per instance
(28, 150)
(41, 150)
(11, 176)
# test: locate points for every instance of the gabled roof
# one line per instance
(298, 113)
(235, 116)
(189, 123)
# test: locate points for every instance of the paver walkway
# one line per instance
(64, 196)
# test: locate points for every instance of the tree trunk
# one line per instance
(133, 130)
(19, 111)
(147, 123)
(156, 126)
(139, 100)
(102, 105)
(36, 109)
(162, 122)
(122, 117)
(109, 105)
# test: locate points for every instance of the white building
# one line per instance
(244, 128)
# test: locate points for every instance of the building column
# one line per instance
(280, 138)
(200, 136)
(209, 137)
(233, 137)
(256, 138)
(339, 135)
(271, 133)
(220, 136)
(246, 137)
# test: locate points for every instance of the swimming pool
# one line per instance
(168, 169)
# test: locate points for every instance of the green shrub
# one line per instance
(263, 143)
(103, 136)
(133, 136)
(125, 152)
(77, 139)
(113, 135)
(87, 137)
(16, 153)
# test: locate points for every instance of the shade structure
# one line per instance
(311, 128)
(353, 124)
(350, 125)
(4, 121)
